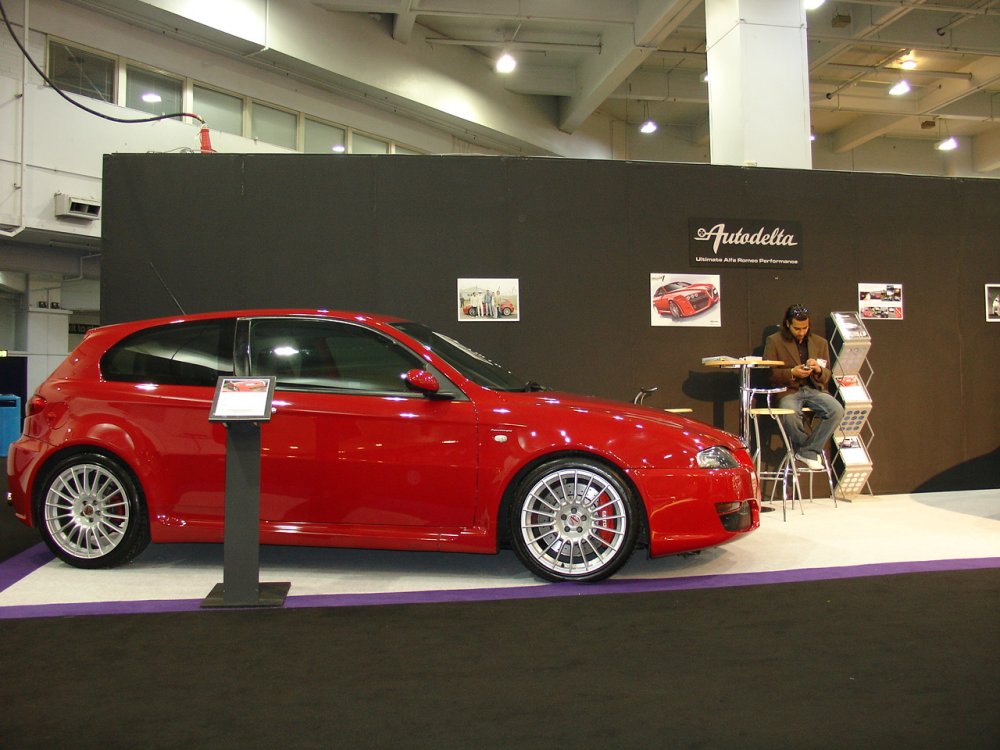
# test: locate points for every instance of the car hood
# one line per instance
(629, 434)
(697, 432)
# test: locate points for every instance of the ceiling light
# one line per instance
(649, 126)
(908, 64)
(812, 4)
(948, 144)
(900, 88)
(151, 97)
(506, 63)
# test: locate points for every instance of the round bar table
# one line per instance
(744, 365)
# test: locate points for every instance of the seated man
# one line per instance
(805, 374)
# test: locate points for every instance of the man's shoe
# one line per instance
(813, 463)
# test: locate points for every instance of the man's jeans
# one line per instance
(824, 406)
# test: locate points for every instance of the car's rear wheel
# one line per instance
(573, 520)
(91, 512)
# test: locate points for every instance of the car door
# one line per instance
(348, 442)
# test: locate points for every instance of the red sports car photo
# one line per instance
(682, 299)
(383, 434)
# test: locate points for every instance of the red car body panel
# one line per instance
(391, 472)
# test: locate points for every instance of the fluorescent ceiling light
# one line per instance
(908, 64)
(506, 63)
(900, 88)
(948, 144)
(648, 127)
(151, 97)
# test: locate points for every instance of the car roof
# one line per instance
(360, 317)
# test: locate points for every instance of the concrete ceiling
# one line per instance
(627, 57)
(614, 58)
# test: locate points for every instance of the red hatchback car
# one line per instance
(681, 299)
(383, 434)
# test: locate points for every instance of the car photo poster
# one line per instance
(993, 303)
(496, 300)
(691, 300)
(880, 301)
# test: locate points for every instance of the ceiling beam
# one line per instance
(859, 31)
(862, 130)
(622, 53)
(402, 25)
(984, 73)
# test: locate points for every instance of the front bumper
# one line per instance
(697, 508)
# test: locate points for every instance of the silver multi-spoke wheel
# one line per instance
(88, 511)
(575, 521)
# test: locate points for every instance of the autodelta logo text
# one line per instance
(745, 242)
(718, 235)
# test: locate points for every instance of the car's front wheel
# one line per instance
(675, 311)
(573, 520)
(91, 512)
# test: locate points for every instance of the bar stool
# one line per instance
(640, 397)
(786, 472)
(826, 469)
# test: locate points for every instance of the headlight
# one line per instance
(717, 457)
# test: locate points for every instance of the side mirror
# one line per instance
(422, 381)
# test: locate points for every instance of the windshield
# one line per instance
(471, 364)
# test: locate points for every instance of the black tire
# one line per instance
(573, 519)
(473, 312)
(91, 511)
(675, 311)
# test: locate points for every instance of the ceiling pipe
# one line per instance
(521, 46)
(855, 78)
(914, 73)
(983, 10)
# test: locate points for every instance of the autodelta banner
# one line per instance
(748, 243)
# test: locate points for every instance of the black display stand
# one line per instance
(241, 585)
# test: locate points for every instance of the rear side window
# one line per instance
(195, 353)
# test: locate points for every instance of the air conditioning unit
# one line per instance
(72, 207)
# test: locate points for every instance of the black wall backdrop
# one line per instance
(392, 234)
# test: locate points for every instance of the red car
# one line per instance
(383, 434)
(505, 308)
(681, 299)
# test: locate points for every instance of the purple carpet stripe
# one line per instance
(614, 586)
(23, 564)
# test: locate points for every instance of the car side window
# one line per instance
(192, 353)
(306, 354)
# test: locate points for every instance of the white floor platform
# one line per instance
(868, 536)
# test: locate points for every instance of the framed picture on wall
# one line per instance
(690, 300)
(496, 300)
(993, 303)
(880, 301)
